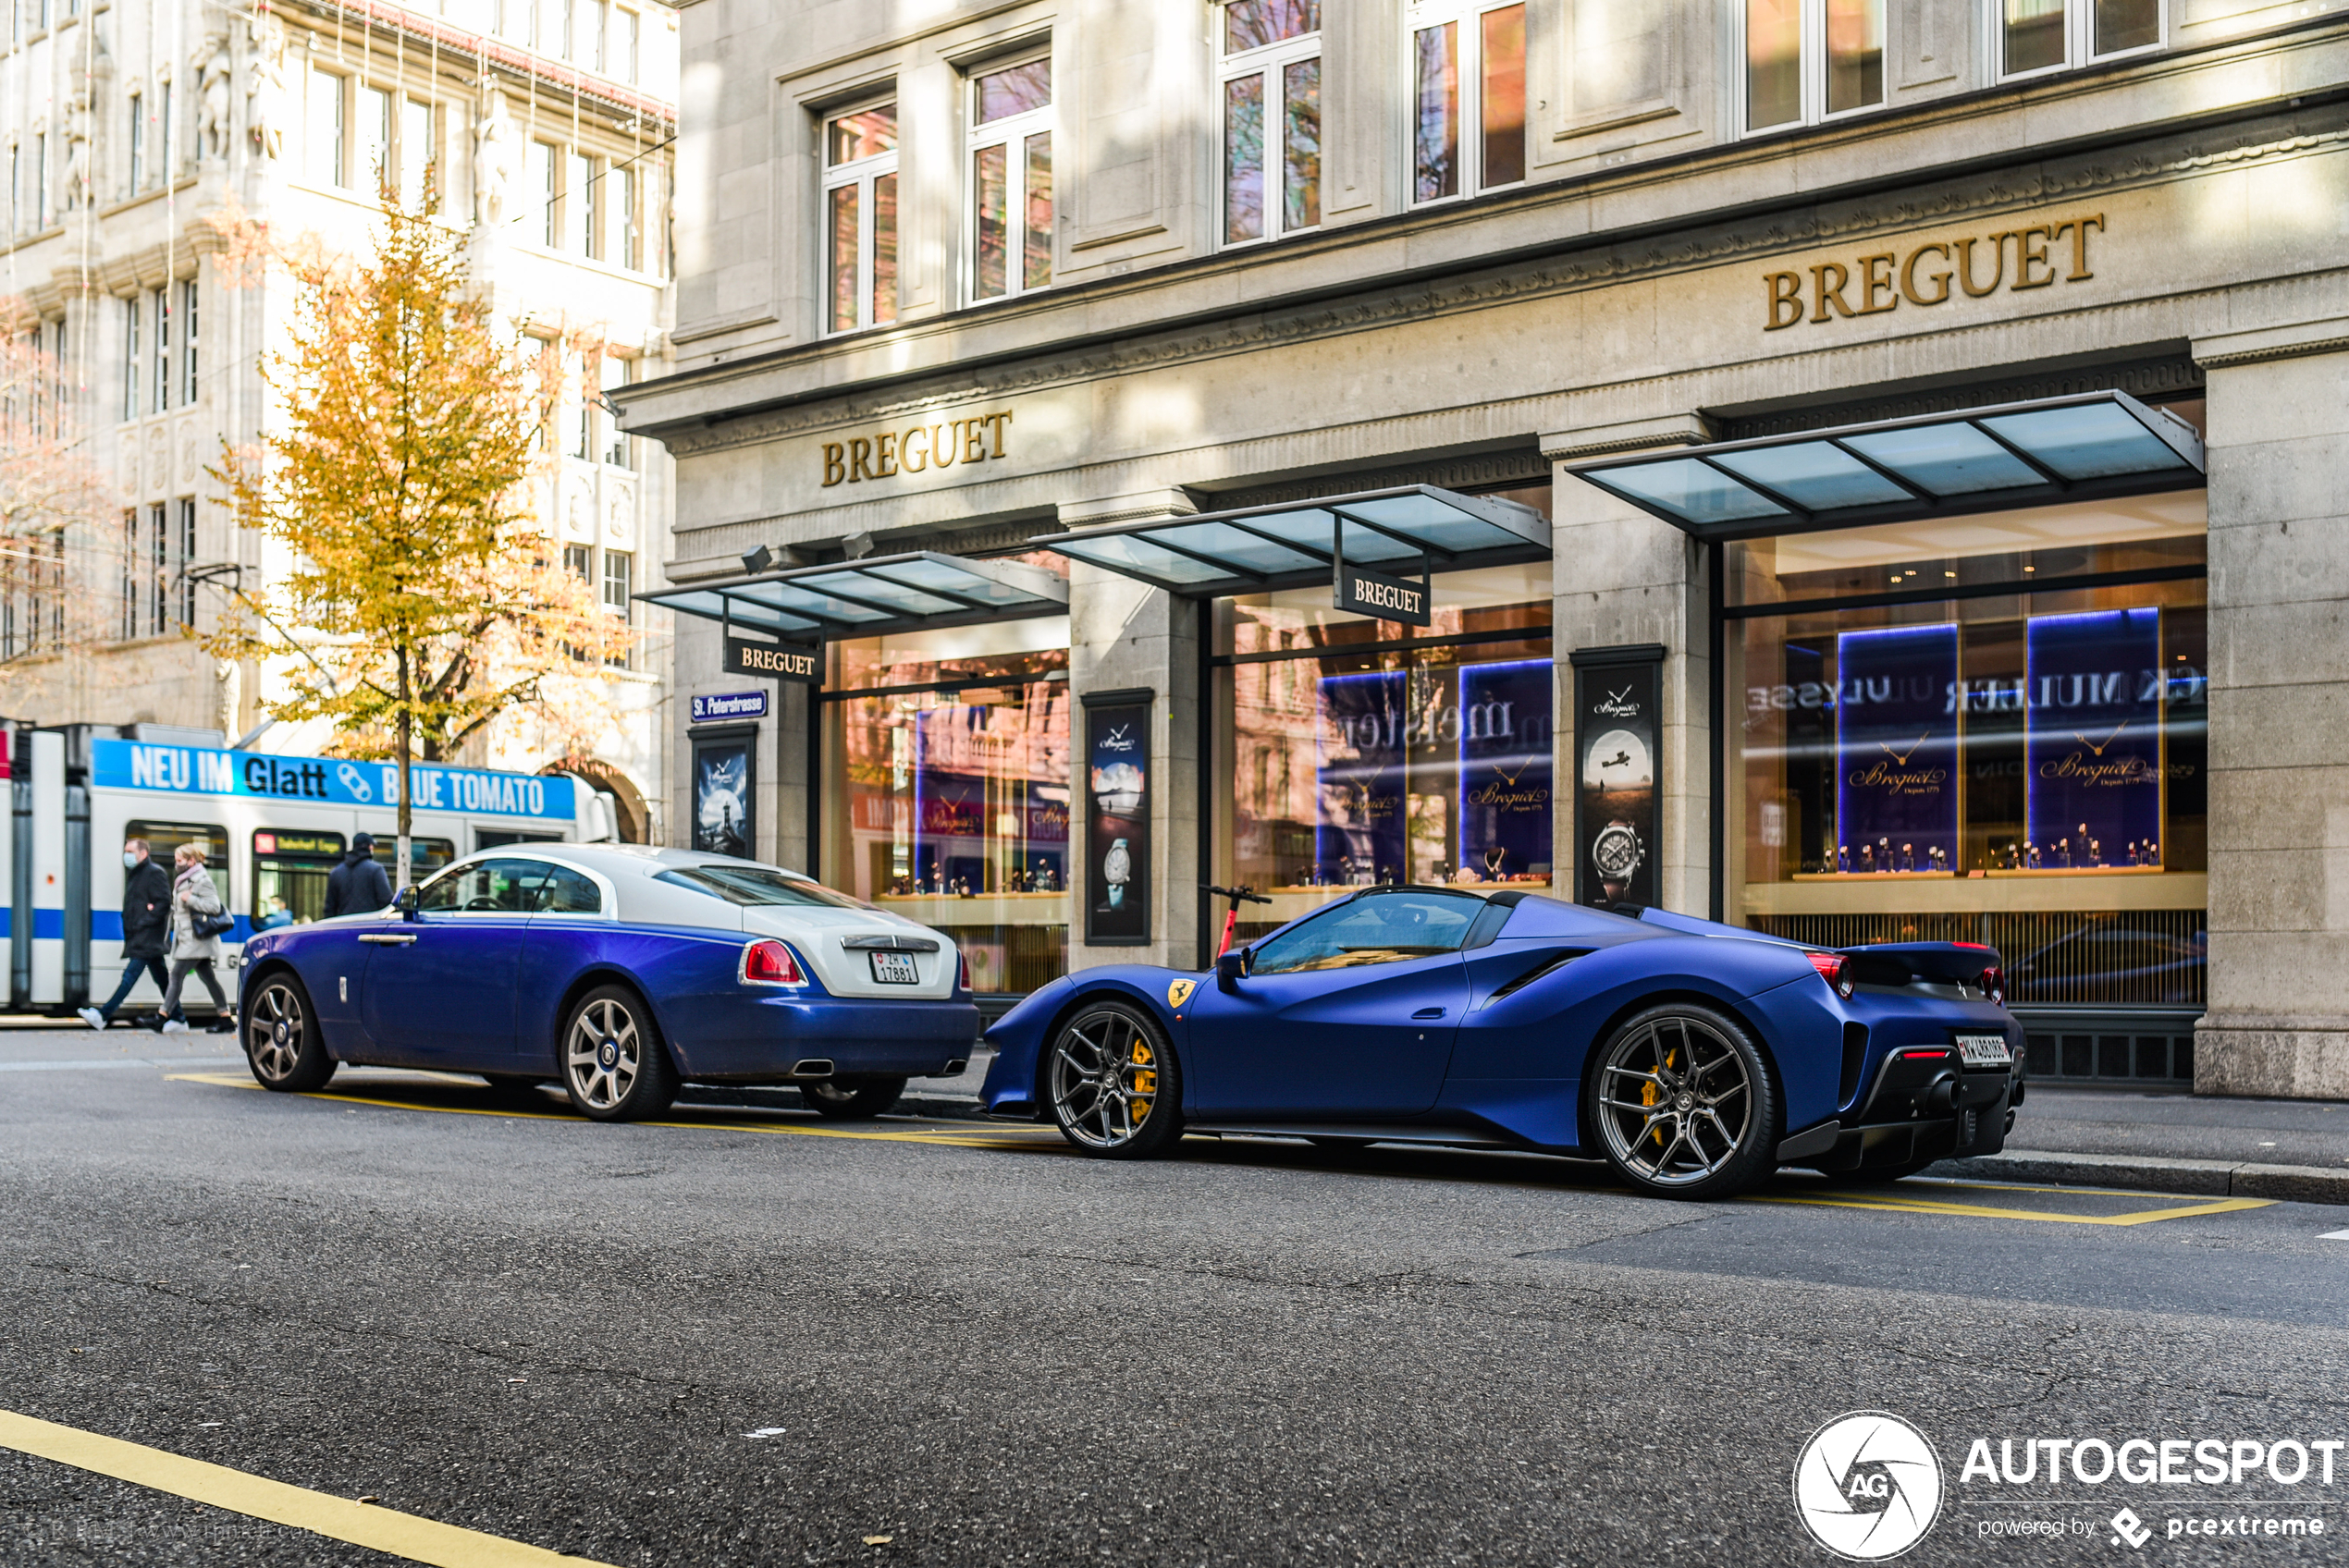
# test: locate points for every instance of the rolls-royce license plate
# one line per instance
(1983, 1051)
(897, 969)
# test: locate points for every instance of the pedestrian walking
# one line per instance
(195, 939)
(146, 926)
(358, 886)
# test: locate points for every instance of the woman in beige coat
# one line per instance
(193, 900)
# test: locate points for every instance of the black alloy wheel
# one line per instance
(282, 1039)
(1112, 1083)
(1685, 1105)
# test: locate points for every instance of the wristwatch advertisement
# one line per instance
(1618, 775)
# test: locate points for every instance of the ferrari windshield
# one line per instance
(757, 885)
(1383, 928)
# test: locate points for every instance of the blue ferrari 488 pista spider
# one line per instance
(1694, 1057)
(616, 971)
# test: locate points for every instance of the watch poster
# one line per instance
(723, 795)
(2093, 695)
(1505, 804)
(1117, 818)
(1618, 774)
(1896, 724)
(1358, 776)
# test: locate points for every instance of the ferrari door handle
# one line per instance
(1428, 1013)
(388, 939)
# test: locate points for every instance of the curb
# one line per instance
(2202, 1178)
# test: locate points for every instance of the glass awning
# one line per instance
(2078, 447)
(873, 596)
(1258, 548)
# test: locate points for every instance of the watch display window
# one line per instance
(2022, 763)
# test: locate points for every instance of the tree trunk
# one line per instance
(406, 729)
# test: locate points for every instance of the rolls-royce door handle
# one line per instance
(388, 939)
(1428, 1013)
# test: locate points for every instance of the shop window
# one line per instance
(946, 789)
(2046, 35)
(1468, 115)
(860, 218)
(1810, 60)
(1363, 752)
(2022, 763)
(1011, 174)
(1270, 86)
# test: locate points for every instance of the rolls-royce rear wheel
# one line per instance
(1112, 1083)
(1685, 1104)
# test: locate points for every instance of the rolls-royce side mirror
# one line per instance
(1231, 966)
(406, 902)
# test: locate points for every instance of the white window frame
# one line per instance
(1468, 18)
(136, 154)
(1812, 70)
(617, 372)
(2079, 39)
(1011, 133)
(1272, 61)
(861, 173)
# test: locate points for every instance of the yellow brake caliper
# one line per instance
(1145, 1078)
(1648, 1096)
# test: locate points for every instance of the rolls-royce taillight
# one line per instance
(768, 962)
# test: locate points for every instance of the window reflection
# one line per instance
(1772, 63)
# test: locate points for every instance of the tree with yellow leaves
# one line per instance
(422, 598)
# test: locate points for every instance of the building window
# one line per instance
(1012, 180)
(1467, 121)
(2024, 766)
(2041, 35)
(137, 143)
(1809, 60)
(166, 139)
(632, 244)
(158, 568)
(159, 303)
(131, 598)
(418, 154)
(376, 167)
(132, 308)
(616, 440)
(188, 341)
(619, 581)
(1270, 83)
(591, 48)
(41, 182)
(629, 22)
(324, 153)
(860, 218)
(187, 560)
(580, 188)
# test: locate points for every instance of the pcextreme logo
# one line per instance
(1867, 1486)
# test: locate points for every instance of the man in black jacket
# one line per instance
(147, 928)
(358, 886)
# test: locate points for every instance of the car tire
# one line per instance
(284, 1044)
(1108, 1061)
(616, 1066)
(852, 1100)
(1685, 1105)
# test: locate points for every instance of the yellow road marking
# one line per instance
(383, 1529)
(1983, 1212)
(951, 1140)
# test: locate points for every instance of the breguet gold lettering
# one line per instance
(888, 454)
(1920, 277)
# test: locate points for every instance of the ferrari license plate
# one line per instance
(1983, 1051)
(897, 969)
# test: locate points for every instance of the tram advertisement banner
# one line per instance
(1117, 818)
(1618, 773)
(1358, 772)
(1506, 798)
(2093, 691)
(1896, 745)
(206, 770)
(723, 795)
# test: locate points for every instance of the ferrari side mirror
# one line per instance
(1230, 967)
(406, 902)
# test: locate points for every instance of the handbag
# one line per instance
(214, 924)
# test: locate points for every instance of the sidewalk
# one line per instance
(2174, 1143)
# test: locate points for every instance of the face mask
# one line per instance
(129, 859)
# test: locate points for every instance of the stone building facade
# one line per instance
(138, 132)
(1909, 433)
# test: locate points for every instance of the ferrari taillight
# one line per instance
(1994, 985)
(768, 962)
(1834, 969)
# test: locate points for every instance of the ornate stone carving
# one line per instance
(266, 86)
(212, 67)
(496, 146)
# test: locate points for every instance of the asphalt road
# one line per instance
(990, 1351)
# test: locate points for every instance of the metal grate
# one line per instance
(2146, 1060)
(2136, 958)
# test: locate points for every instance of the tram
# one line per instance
(272, 828)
